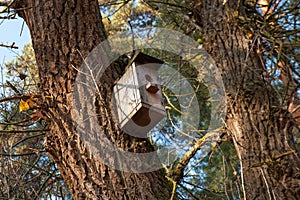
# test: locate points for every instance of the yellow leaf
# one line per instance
(23, 105)
(199, 41)
(37, 116)
(249, 35)
(236, 13)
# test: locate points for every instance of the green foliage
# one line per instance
(23, 72)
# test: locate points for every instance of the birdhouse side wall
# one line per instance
(127, 95)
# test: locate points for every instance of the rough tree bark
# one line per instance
(260, 127)
(59, 31)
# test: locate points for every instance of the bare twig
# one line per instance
(12, 46)
(22, 154)
(24, 97)
(24, 131)
(6, 5)
(27, 138)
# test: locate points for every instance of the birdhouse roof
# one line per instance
(142, 58)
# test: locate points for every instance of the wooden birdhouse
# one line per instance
(138, 98)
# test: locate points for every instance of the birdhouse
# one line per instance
(138, 97)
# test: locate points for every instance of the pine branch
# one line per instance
(176, 173)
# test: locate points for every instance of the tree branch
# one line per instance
(24, 131)
(27, 138)
(176, 174)
(24, 97)
(12, 46)
(5, 3)
(22, 154)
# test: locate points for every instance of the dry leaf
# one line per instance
(31, 95)
(36, 116)
(30, 103)
(198, 3)
(249, 35)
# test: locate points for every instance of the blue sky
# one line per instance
(10, 31)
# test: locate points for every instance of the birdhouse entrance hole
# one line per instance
(142, 118)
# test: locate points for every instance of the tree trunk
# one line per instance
(261, 129)
(59, 31)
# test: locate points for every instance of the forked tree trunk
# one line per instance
(59, 31)
(260, 127)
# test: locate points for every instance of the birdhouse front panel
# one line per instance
(127, 96)
(138, 98)
(149, 85)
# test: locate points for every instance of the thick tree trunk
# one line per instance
(260, 127)
(59, 31)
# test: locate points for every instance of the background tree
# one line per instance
(262, 132)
